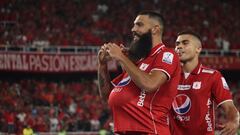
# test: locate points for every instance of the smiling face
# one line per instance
(188, 47)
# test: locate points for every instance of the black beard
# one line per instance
(140, 48)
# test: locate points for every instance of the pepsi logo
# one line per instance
(125, 81)
(181, 104)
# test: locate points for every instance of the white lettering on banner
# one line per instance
(13, 59)
(35, 62)
(45, 65)
(57, 64)
(25, 63)
(18, 62)
(15, 62)
(72, 64)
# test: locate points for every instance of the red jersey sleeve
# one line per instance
(220, 89)
(166, 61)
(116, 80)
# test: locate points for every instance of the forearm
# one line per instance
(142, 79)
(104, 81)
(232, 114)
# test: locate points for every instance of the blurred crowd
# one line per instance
(84, 22)
(48, 106)
(51, 106)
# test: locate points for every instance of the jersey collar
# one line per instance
(197, 69)
(156, 49)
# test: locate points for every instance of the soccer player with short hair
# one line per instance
(200, 88)
(140, 98)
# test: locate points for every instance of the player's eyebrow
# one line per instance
(183, 41)
(138, 23)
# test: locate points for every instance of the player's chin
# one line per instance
(183, 60)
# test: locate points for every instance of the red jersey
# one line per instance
(193, 107)
(136, 110)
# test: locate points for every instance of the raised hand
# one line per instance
(103, 55)
(115, 51)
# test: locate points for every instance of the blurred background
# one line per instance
(48, 78)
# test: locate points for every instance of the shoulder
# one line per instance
(170, 50)
(167, 52)
(210, 71)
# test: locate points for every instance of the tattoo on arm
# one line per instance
(104, 82)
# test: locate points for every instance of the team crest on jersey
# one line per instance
(225, 85)
(196, 85)
(181, 104)
(167, 57)
(143, 66)
(125, 81)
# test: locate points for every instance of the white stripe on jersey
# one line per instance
(153, 119)
(168, 75)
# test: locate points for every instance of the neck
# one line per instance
(156, 41)
(189, 66)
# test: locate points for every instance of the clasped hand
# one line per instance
(111, 51)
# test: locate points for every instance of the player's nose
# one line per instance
(178, 47)
(134, 29)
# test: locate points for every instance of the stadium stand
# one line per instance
(51, 106)
(83, 22)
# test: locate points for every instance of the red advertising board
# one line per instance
(222, 63)
(37, 62)
(43, 62)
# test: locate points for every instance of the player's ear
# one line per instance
(199, 49)
(155, 29)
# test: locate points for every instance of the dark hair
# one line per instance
(190, 32)
(153, 14)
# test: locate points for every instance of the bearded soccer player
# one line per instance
(140, 98)
(200, 88)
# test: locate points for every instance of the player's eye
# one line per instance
(177, 43)
(185, 42)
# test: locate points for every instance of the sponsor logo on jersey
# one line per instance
(141, 98)
(225, 85)
(196, 85)
(182, 118)
(143, 66)
(167, 57)
(184, 87)
(208, 116)
(117, 89)
(181, 104)
(125, 81)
